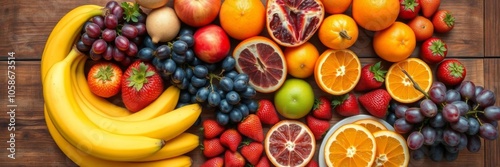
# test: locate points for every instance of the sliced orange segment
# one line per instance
(350, 145)
(391, 149)
(371, 124)
(400, 86)
(337, 71)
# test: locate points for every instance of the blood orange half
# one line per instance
(263, 61)
(293, 22)
(289, 143)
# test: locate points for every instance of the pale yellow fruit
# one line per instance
(163, 24)
(152, 4)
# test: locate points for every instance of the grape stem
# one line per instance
(415, 84)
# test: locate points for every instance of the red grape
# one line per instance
(129, 31)
(108, 35)
(99, 46)
(122, 43)
(111, 21)
(93, 30)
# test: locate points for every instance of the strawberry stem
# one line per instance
(415, 84)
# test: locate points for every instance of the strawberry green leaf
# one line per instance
(437, 47)
(338, 100)
(456, 69)
(409, 5)
(378, 72)
(139, 76)
(130, 12)
(105, 73)
(449, 19)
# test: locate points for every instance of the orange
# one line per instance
(391, 149)
(289, 143)
(338, 31)
(336, 6)
(371, 124)
(300, 60)
(375, 15)
(337, 71)
(242, 19)
(350, 145)
(400, 86)
(395, 43)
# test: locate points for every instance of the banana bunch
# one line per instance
(94, 132)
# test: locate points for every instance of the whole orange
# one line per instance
(242, 19)
(338, 31)
(422, 27)
(395, 43)
(375, 15)
(336, 6)
(301, 60)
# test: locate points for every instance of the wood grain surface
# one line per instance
(26, 25)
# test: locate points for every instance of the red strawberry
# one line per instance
(429, 7)
(346, 105)
(233, 159)
(376, 102)
(451, 72)
(443, 21)
(105, 79)
(267, 113)
(263, 162)
(141, 85)
(433, 50)
(318, 126)
(252, 152)
(214, 162)
(372, 77)
(231, 139)
(212, 147)
(211, 128)
(312, 163)
(409, 9)
(251, 128)
(322, 108)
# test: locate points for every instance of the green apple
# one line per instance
(294, 99)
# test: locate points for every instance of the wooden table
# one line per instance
(27, 23)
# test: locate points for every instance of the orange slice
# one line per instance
(391, 149)
(350, 145)
(400, 86)
(289, 143)
(337, 71)
(371, 124)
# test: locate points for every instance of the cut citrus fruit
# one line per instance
(289, 143)
(371, 124)
(400, 87)
(263, 61)
(391, 149)
(337, 71)
(291, 23)
(350, 145)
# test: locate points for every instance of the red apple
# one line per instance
(197, 13)
(211, 43)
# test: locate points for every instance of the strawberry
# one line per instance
(251, 127)
(211, 128)
(233, 159)
(104, 79)
(214, 162)
(409, 9)
(231, 139)
(372, 77)
(443, 21)
(429, 7)
(263, 162)
(212, 147)
(322, 108)
(267, 113)
(318, 126)
(376, 102)
(433, 50)
(141, 85)
(346, 105)
(252, 152)
(451, 72)
(312, 163)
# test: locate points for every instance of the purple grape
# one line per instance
(93, 30)
(462, 107)
(118, 12)
(439, 85)
(452, 95)
(162, 52)
(99, 20)
(463, 141)
(118, 55)
(473, 126)
(137, 40)
(108, 35)
(451, 137)
(485, 98)
(99, 46)
(415, 140)
(473, 143)
(87, 40)
(94, 56)
(492, 113)
(478, 89)
(437, 121)
(450, 156)
(450, 113)
(401, 126)
(462, 125)
(413, 115)
(129, 31)
(122, 43)
(467, 90)
(418, 154)
(126, 62)
(141, 28)
(108, 54)
(111, 21)
(488, 131)
(428, 108)
(82, 47)
(142, 18)
(439, 136)
(112, 4)
(429, 135)
(436, 153)
(451, 149)
(437, 95)
(400, 110)
(132, 49)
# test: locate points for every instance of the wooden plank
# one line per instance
(492, 83)
(491, 28)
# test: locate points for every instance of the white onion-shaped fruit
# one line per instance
(162, 24)
(152, 4)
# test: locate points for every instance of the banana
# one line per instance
(180, 145)
(85, 160)
(63, 35)
(166, 102)
(78, 130)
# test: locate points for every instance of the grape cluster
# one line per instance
(214, 85)
(447, 121)
(116, 36)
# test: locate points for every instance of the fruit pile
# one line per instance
(142, 72)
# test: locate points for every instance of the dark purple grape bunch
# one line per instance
(115, 36)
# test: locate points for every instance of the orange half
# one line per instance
(391, 149)
(371, 124)
(350, 145)
(400, 86)
(337, 71)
